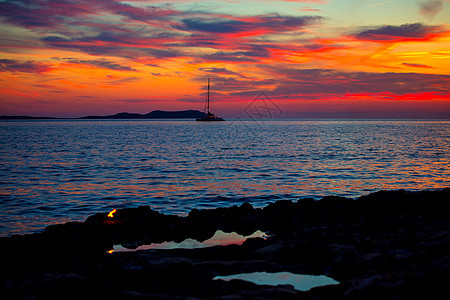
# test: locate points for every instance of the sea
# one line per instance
(55, 171)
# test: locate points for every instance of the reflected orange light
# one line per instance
(110, 215)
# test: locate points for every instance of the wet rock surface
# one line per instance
(387, 245)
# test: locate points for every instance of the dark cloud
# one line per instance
(251, 25)
(199, 40)
(222, 71)
(162, 53)
(222, 87)
(231, 84)
(55, 39)
(232, 56)
(147, 14)
(38, 13)
(256, 50)
(430, 8)
(417, 65)
(89, 45)
(114, 80)
(212, 26)
(137, 32)
(13, 65)
(112, 44)
(246, 53)
(137, 100)
(313, 83)
(402, 32)
(101, 63)
(52, 13)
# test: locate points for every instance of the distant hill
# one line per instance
(156, 114)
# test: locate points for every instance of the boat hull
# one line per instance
(206, 119)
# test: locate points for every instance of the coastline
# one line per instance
(388, 244)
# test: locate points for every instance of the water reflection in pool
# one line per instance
(220, 238)
(299, 282)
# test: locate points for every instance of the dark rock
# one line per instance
(305, 203)
(386, 245)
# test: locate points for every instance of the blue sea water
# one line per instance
(53, 171)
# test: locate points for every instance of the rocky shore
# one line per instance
(386, 245)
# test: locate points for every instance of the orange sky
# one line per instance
(333, 59)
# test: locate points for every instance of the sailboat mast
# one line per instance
(208, 95)
(208, 115)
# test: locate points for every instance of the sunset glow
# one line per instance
(314, 58)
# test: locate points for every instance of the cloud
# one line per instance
(430, 8)
(414, 31)
(307, 8)
(299, 1)
(101, 63)
(95, 45)
(417, 65)
(212, 26)
(248, 26)
(116, 80)
(62, 16)
(51, 14)
(232, 56)
(227, 85)
(222, 71)
(39, 13)
(239, 52)
(130, 45)
(138, 100)
(13, 65)
(318, 83)
(243, 53)
(150, 33)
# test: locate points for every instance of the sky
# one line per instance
(303, 59)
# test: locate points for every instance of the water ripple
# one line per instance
(55, 171)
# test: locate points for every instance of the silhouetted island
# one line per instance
(156, 114)
(386, 245)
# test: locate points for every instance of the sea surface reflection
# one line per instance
(61, 170)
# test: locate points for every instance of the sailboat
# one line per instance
(209, 116)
